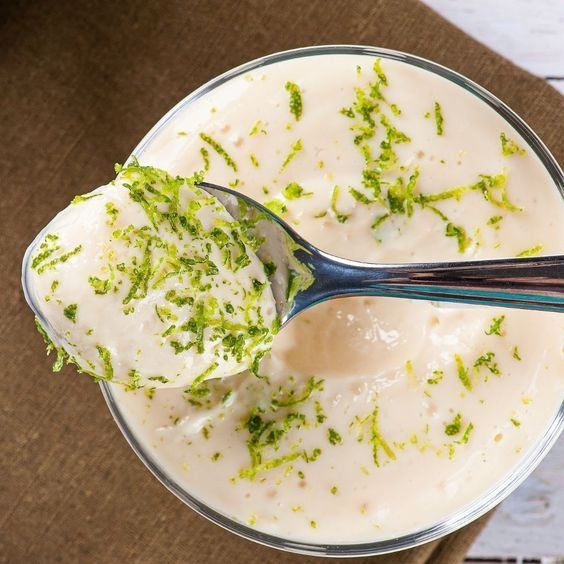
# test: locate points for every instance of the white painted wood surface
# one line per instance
(528, 32)
(529, 524)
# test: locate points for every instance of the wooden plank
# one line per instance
(530, 522)
(528, 33)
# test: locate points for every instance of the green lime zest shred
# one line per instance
(257, 128)
(70, 312)
(339, 216)
(203, 376)
(320, 416)
(455, 426)
(533, 251)
(161, 379)
(106, 358)
(439, 119)
(487, 360)
(50, 346)
(515, 422)
(296, 102)
(378, 440)
(83, 198)
(334, 437)
(494, 221)
(463, 374)
(206, 158)
(101, 286)
(254, 160)
(466, 435)
(496, 326)
(360, 197)
(377, 68)
(380, 220)
(494, 190)
(219, 150)
(39, 264)
(269, 268)
(276, 206)
(112, 211)
(295, 148)
(133, 380)
(515, 353)
(293, 399)
(293, 191)
(438, 376)
(509, 147)
(395, 110)
(459, 232)
(141, 276)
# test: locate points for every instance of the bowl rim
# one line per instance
(467, 513)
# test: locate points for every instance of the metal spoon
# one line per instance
(304, 275)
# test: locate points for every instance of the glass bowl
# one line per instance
(453, 521)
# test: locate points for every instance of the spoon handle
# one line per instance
(525, 283)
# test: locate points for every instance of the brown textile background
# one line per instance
(80, 83)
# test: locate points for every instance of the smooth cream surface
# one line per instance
(390, 369)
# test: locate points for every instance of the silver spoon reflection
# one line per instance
(304, 275)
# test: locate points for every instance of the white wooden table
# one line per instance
(529, 525)
(528, 32)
